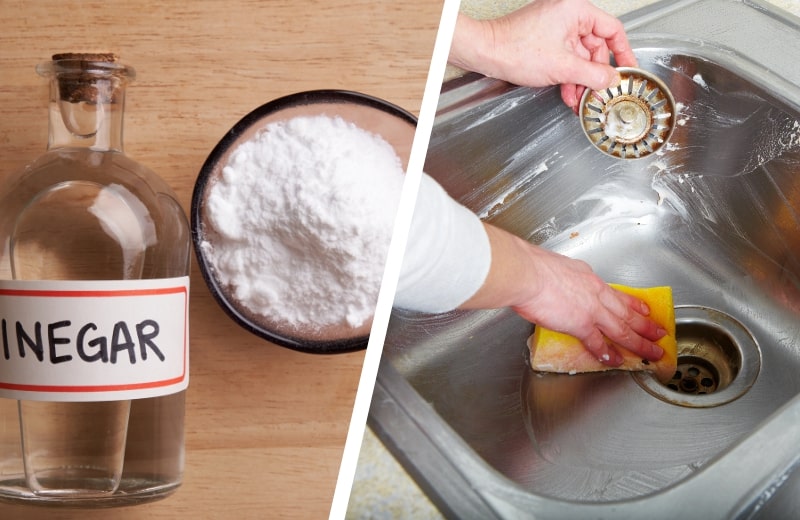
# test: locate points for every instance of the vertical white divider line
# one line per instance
(372, 358)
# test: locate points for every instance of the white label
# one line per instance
(93, 340)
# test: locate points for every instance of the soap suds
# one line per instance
(680, 118)
(512, 192)
(303, 214)
(697, 78)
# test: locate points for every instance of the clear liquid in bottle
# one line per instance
(86, 214)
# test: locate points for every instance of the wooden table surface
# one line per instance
(265, 425)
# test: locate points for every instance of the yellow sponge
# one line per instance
(556, 352)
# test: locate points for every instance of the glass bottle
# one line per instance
(93, 307)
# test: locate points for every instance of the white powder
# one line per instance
(304, 211)
(697, 78)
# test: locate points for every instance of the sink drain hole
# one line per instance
(718, 360)
(694, 376)
(708, 358)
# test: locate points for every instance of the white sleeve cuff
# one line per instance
(447, 256)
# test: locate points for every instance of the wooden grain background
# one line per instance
(265, 425)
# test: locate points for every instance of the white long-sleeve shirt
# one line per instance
(447, 256)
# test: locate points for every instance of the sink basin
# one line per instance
(715, 214)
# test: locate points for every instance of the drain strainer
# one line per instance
(718, 360)
(631, 120)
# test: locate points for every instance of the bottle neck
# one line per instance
(87, 100)
(90, 118)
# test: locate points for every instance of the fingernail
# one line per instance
(573, 102)
(645, 309)
(611, 359)
(661, 333)
(656, 351)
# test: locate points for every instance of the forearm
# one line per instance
(512, 277)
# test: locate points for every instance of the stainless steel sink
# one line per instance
(715, 215)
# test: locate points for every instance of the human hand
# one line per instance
(546, 42)
(572, 299)
(565, 295)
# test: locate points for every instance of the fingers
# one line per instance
(639, 320)
(605, 351)
(623, 335)
(614, 332)
(592, 74)
(611, 31)
(623, 323)
(602, 351)
(623, 54)
(571, 95)
(629, 326)
(604, 34)
(596, 48)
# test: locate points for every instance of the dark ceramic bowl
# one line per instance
(393, 124)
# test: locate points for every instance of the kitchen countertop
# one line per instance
(381, 487)
(265, 426)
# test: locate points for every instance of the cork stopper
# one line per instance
(86, 56)
(89, 77)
